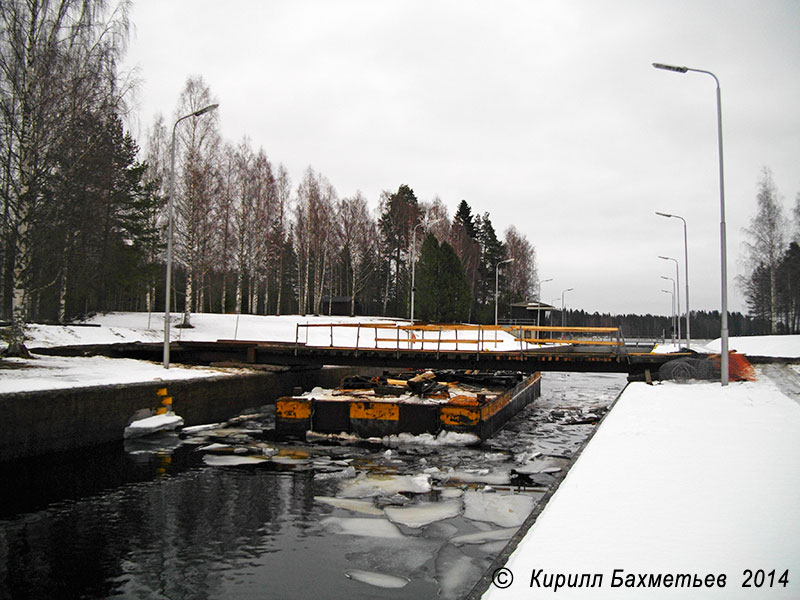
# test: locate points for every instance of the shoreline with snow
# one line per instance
(48, 372)
(705, 481)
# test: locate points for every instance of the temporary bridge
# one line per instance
(519, 348)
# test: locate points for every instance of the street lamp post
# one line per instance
(673, 311)
(722, 232)
(497, 284)
(677, 292)
(539, 298)
(563, 312)
(414, 262)
(685, 274)
(168, 290)
(674, 293)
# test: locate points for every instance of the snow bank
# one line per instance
(679, 479)
(57, 372)
(785, 346)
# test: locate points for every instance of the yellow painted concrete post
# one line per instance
(166, 401)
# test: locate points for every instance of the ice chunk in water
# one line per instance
(423, 514)
(506, 510)
(153, 424)
(451, 493)
(362, 526)
(493, 548)
(480, 476)
(347, 473)
(456, 573)
(360, 506)
(377, 579)
(232, 460)
(365, 486)
(481, 537)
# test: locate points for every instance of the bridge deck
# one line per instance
(523, 348)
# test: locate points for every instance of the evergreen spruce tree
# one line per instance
(442, 289)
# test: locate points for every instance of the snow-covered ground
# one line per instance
(61, 372)
(679, 479)
(53, 372)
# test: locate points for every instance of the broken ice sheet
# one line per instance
(377, 579)
(359, 506)
(482, 537)
(367, 486)
(410, 557)
(486, 476)
(506, 510)
(362, 526)
(456, 572)
(232, 460)
(423, 514)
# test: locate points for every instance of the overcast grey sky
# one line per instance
(546, 114)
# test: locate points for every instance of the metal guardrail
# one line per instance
(474, 338)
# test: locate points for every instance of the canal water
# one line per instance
(180, 518)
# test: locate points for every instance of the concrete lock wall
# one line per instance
(40, 422)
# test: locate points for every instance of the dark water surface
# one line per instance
(159, 522)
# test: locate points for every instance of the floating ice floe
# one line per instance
(423, 514)
(477, 476)
(443, 438)
(506, 510)
(359, 506)
(347, 473)
(381, 580)
(156, 423)
(482, 537)
(362, 526)
(365, 486)
(451, 493)
(232, 460)
(196, 428)
(455, 572)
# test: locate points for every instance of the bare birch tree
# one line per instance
(766, 246)
(521, 275)
(199, 144)
(57, 60)
(357, 237)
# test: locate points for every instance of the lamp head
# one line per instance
(670, 68)
(205, 109)
(661, 214)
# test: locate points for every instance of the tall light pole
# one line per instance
(674, 290)
(685, 274)
(168, 291)
(414, 261)
(677, 292)
(539, 298)
(497, 284)
(673, 311)
(563, 314)
(722, 234)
